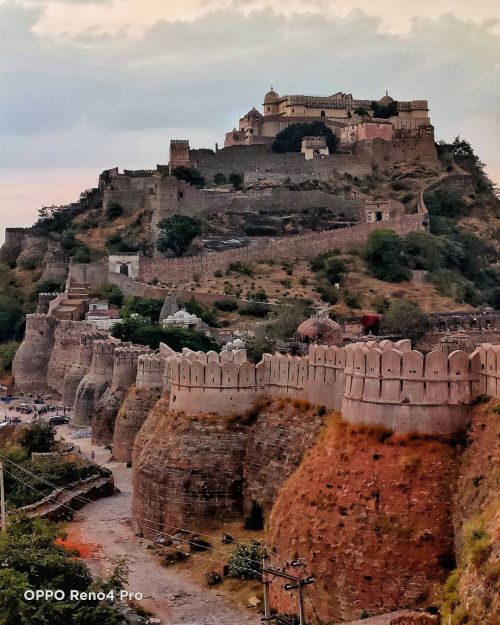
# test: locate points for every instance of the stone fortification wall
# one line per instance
(489, 369)
(11, 247)
(81, 367)
(405, 391)
(95, 382)
(137, 404)
(30, 363)
(108, 405)
(33, 249)
(65, 352)
(297, 247)
(150, 371)
(89, 273)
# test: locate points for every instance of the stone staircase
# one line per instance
(73, 305)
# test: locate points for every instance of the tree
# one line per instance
(219, 179)
(236, 180)
(290, 138)
(110, 292)
(445, 202)
(382, 111)
(423, 251)
(144, 306)
(244, 562)
(38, 438)
(405, 318)
(207, 314)
(177, 233)
(385, 257)
(189, 175)
(114, 210)
(361, 111)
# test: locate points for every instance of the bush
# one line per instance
(258, 296)
(219, 179)
(205, 313)
(114, 210)
(384, 255)
(255, 520)
(290, 139)
(405, 318)
(236, 180)
(39, 438)
(255, 309)
(7, 352)
(245, 561)
(352, 299)
(446, 202)
(176, 233)
(189, 175)
(110, 292)
(226, 305)
(144, 306)
(242, 267)
(149, 334)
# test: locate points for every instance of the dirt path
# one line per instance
(172, 598)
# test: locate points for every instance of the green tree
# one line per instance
(382, 111)
(110, 292)
(244, 562)
(219, 179)
(143, 306)
(445, 202)
(207, 314)
(7, 352)
(177, 233)
(114, 210)
(384, 255)
(405, 318)
(423, 251)
(39, 437)
(290, 138)
(236, 180)
(189, 175)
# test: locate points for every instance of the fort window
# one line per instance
(378, 216)
(124, 269)
(180, 195)
(323, 113)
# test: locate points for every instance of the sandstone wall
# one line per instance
(301, 247)
(94, 383)
(108, 405)
(81, 366)
(33, 249)
(137, 404)
(65, 352)
(372, 519)
(30, 363)
(12, 245)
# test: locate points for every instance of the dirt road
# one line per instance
(172, 598)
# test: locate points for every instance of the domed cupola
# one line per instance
(271, 102)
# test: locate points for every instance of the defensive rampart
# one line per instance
(81, 367)
(93, 385)
(489, 369)
(408, 392)
(66, 349)
(31, 361)
(301, 247)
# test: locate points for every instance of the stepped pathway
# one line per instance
(168, 594)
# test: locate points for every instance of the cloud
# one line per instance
(98, 96)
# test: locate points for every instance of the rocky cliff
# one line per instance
(371, 515)
(472, 592)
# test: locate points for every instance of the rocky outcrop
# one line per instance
(131, 416)
(283, 430)
(471, 593)
(107, 407)
(30, 363)
(33, 249)
(187, 470)
(371, 514)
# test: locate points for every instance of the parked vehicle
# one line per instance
(59, 419)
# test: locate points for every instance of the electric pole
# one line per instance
(2, 498)
(298, 583)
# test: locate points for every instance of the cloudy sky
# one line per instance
(88, 85)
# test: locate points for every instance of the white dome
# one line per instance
(229, 345)
(238, 344)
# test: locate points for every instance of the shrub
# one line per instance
(352, 299)
(176, 233)
(400, 185)
(189, 175)
(220, 179)
(258, 296)
(477, 542)
(143, 306)
(110, 292)
(244, 562)
(236, 180)
(406, 318)
(114, 210)
(255, 519)
(226, 305)
(7, 352)
(242, 267)
(256, 309)
(205, 313)
(218, 273)
(384, 255)
(39, 438)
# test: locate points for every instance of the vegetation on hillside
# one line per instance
(290, 139)
(33, 557)
(176, 233)
(189, 175)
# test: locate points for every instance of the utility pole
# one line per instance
(298, 582)
(2, 498)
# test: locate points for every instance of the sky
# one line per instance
(90, 85)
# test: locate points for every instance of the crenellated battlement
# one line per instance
(489, 368)
(151, 371)
(407, 391)
(126, 363)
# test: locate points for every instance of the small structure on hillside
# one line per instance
(126, 264)
(459, 340)
(320, 329)
(183, 319)
(314, 147)
(100, 315)
(382, 210)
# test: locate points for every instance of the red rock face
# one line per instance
(371, 518)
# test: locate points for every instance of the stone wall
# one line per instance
(407, 392)
(80, 367)
(95, 382)
(108, 405)
(65, 352)
(489, 369)
(31, 361)
(301, 247)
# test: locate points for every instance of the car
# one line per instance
(59, 420)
